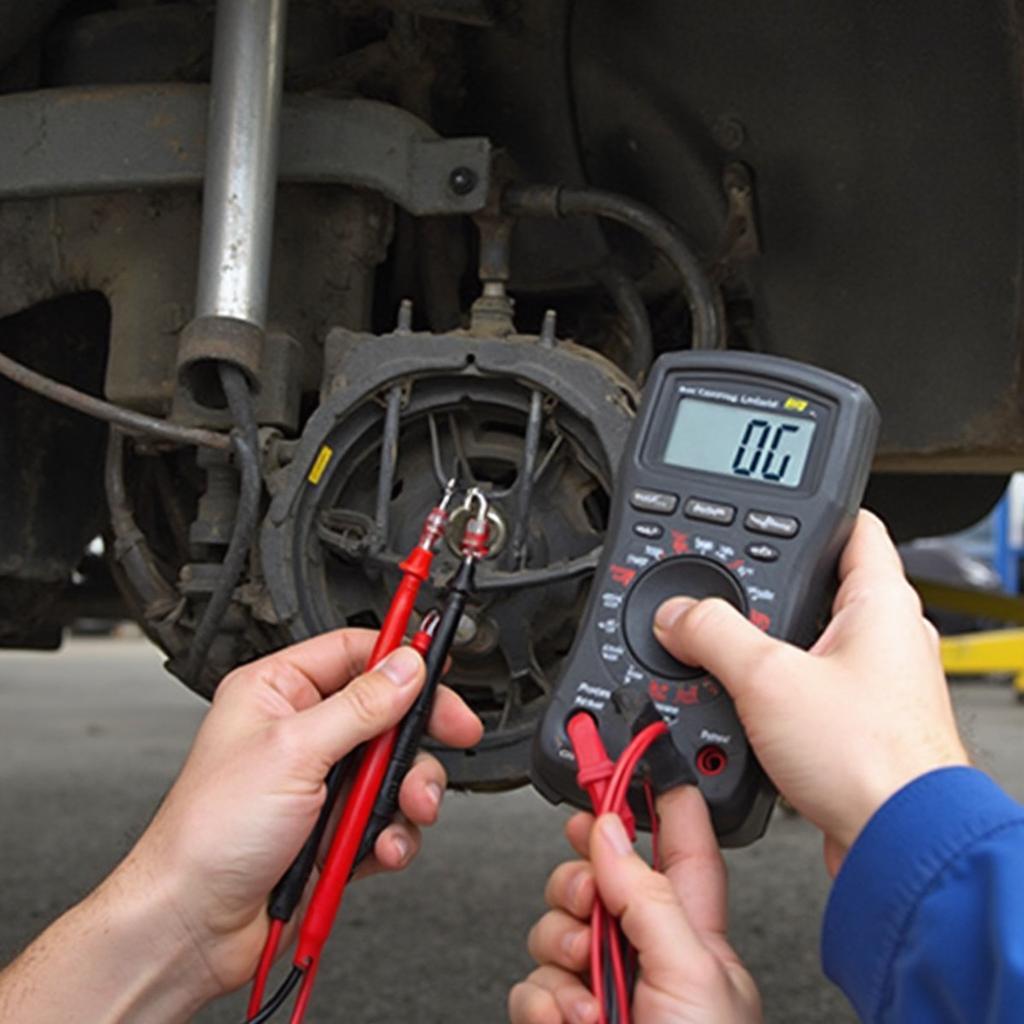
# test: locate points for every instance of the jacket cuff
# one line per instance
(909, 840)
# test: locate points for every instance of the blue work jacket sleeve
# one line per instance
(925, 922)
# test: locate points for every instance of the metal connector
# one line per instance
(437, 518)
(476, 535)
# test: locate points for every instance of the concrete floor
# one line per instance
(90, 738)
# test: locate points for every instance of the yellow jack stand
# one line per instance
(979, 654)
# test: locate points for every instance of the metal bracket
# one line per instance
(741, 242)
(110, 139)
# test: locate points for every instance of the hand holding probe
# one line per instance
(443, 628)
(415, 569)
(345, 846)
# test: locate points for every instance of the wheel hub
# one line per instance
(331, 548)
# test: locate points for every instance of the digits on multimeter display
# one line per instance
(721, 439)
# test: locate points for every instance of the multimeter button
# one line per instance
(694, 577)
(762, 552)
(653, 501)
(772, 524)
(709, 511)
(650, 531)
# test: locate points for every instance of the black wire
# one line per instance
(128, 420)
(246, 443)
(288, 891)
(274, 1003)
(631, 309)
(413, 724)
(611, 1001)
(709, 326)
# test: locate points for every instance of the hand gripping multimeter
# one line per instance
(740, 480)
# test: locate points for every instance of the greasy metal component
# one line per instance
(491, 313)
(158, 603)
(467, 403)
(209, 340)
(126, 419)
(741, 240)
(107, 139)
(140, 251)
(240, 176)
(218, 504)
(702, 298)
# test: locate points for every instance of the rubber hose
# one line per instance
(245, 439)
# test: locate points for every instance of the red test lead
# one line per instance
(327, 895)
(337, 869)
(607, 785)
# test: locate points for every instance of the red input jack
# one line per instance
(711, 760)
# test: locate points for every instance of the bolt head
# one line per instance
(729, 132)
(462, 180)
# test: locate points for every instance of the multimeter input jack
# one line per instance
(711, 760)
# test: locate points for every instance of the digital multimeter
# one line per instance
(741, 480)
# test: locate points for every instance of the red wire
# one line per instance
(259, 982)
(618, 969)
(330, 887)
(592, 760)
(305, 992)
(615, 795)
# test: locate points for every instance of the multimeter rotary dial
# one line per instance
(688, 576)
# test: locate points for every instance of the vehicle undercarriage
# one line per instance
(836, 182)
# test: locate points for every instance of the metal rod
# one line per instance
(241, 161)
(388, 462)
(435, 450)
(531, 446)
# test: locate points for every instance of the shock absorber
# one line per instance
(219, 351)
(239, 187)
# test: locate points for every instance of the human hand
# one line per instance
(840, 728)
(253, 785)
(675, 919)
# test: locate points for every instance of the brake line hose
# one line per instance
(130, 421)
(246, 441)
(557, 202)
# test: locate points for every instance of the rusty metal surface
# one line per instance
(111, 138)
(140, 251)
(539, 425)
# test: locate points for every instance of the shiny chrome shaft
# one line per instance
(241, 160)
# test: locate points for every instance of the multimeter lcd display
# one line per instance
(739, 442)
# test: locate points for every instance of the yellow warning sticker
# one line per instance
(796, 403)
(322, 460)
